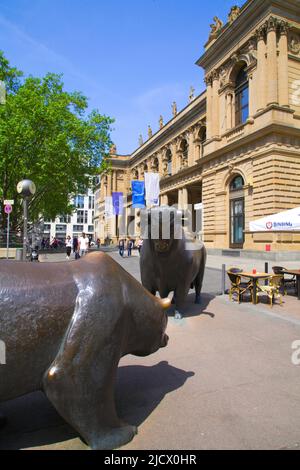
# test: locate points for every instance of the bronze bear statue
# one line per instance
(171, 259)
(65, 327)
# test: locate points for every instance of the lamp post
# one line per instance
(26, 188)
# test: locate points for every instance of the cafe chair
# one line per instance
(272, 289)
(237, 286)
(286, 281)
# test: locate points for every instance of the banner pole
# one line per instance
(7, 239)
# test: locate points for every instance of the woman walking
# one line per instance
(68, 246)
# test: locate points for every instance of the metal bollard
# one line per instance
(266, 271)
(223, 278)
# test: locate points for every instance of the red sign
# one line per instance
(7, 209)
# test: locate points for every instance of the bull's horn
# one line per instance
(165, 303)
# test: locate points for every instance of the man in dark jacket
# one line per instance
(121, 247)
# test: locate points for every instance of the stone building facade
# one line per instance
(233, 151)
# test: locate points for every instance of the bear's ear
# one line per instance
(165, 303)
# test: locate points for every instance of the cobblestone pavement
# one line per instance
(225, 381)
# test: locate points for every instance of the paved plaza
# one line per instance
(225, 381)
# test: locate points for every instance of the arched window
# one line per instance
(237, 212)
(183, 152)
(155, 165)
(184, 148)
(169, 162)
(237, 183)
(135, 174)
(241, 96)
(202, 140)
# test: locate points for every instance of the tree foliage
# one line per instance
(47, 136)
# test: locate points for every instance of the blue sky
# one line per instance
(131, 58)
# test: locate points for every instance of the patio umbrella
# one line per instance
(287, 220)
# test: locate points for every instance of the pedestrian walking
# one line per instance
(121, 247)
(68, 243)
(83, 244)
(75, 244)
(129, 247)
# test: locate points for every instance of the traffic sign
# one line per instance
(9, 201)
(7, 209)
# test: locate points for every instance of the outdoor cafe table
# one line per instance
(295, 272)
(255, 277)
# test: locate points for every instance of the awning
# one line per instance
(287, 220)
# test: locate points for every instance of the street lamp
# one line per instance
(26, 188)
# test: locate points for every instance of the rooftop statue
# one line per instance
(113, 150)
(149, 132)
(66, 334)
(234, 13)
(141, 140)
(215, 27)
(174, 108)
(161, 122)
(192, 96)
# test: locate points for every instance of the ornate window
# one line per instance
(135, 174)
(241, 96)
(169, 162)
(155, 165)
(202, 140)
(237, 212)
(185, 148)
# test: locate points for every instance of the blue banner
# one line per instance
(138, 194)
(117, 200)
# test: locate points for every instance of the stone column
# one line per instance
(174, 158)
(164, 200)
(115, 181)
(272, 72)
(102, 189)
(215, 105)
(108, 185)
(229, 104)
(209, 130)
(252, 103)
(283, 78)
(184, 198)
(180, 198)
(261, 69)
(191, 158)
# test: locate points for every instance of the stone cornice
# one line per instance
(250, 138)
(180, 179)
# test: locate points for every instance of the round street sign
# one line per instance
(7, 208)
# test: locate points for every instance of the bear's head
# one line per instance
(150, 323)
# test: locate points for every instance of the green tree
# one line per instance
(47, 136)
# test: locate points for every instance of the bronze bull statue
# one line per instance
(65, 327)
(174, 263)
